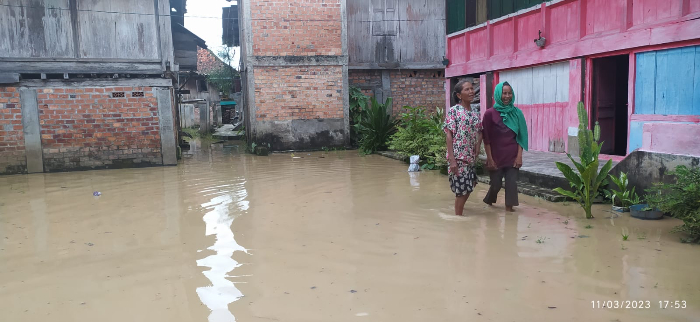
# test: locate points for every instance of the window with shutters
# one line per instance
(385, 20)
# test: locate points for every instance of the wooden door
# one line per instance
(604, 101)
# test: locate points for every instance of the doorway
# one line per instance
(610, 85)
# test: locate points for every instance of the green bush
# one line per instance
(420, 133)
(680, 199)
(375, 126)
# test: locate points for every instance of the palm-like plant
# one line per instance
(375, 126)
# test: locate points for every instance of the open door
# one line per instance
(610, 85)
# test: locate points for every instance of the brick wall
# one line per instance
(299, 92)
(408, 87)
(297, 28)
(99, 127)
(12, 155)
(418, 88)
(364, 78)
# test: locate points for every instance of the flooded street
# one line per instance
(228, 236)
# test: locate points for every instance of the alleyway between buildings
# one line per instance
(322, 236)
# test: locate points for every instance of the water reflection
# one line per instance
(218, 220)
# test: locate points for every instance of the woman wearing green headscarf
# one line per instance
(505, 138)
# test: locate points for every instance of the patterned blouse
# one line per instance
(465, 126)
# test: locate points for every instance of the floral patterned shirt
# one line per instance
(465, 126)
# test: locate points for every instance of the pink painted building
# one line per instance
(634, 63)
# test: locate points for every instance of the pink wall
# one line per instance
(575, 96)
(573, 28)
(477, 41)
(503, 31)
(482, 96)
(664, 138)
(603, 15)
(565, 15)
(528, 26)
(648, 11)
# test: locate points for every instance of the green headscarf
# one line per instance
(512, 116)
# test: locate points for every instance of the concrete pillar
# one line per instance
(386, 87)
(32, 130)
(168, 145)
(204, 124)
(189, 108)
(219, 118)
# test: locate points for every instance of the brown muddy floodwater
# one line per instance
(334, 236)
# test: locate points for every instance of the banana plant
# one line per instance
(586, 181)
(622, 197)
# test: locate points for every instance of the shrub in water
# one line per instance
(420, 133)
(680, 199)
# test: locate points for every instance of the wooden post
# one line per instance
(489, 86)
(627, 16)
(582, 18)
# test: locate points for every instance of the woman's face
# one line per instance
(467, 93)
(507, 95)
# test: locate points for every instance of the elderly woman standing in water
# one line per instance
(463, 129)
(505, 138)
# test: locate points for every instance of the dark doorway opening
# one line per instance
(610, 86)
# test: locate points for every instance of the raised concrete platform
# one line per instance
(539, 168)
(228, 132)
(539, 174)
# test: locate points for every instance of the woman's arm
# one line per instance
(490, 164)
(519, 158)
(477, 148)
(486, 123)
(451, 161)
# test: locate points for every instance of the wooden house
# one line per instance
(88, 84)
(396, 49)
(634, 63)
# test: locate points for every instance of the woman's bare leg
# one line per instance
(459, 204)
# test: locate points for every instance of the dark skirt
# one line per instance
(464, 181)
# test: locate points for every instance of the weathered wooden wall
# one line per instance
(542, 93)
(396, 33)
(77, 35)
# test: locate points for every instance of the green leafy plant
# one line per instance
(358, 103)
(588, 179)
(541, 240)
(375, 127)
(680, 199)
(621, 196)
(420, 133)
(625, 233)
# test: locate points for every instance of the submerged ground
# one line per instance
(320, 237)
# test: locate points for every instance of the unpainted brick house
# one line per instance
(294, 72)
(87, 84)
(299, 59)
